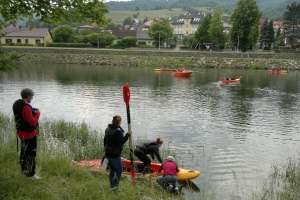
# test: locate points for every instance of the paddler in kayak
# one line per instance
(151, 147)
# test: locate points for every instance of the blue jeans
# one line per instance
(115, 171)
(161, 180)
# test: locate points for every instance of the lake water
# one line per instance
(232, 133)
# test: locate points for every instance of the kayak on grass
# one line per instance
(95, 165)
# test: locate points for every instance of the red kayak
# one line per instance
(183, 74)
(230, 80)
(95, 165)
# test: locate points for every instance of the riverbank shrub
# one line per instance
(258, 66)
(72, 45)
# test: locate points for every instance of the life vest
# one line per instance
(21, 124)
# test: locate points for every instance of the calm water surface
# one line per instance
(233, 134)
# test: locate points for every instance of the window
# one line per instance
(37, 41)
(26, 41)
(18, 40)
(7, 41)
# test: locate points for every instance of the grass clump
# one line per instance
(59, 143)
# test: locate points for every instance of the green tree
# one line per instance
(64, 33)
(245, 20)
(265, 34)
(50, 12)
(216, 28)
(128, 21)
(202, 35)
(160, 31)
(127, 42)
(291, 21)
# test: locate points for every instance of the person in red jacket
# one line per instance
(170, 174)
(26, 120)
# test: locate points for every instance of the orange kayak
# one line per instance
(183, 73)
(277, 71)
(95, 165)
(230, 80)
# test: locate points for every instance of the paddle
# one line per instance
(126, 96)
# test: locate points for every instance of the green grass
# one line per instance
(119, 16)
(59, 143)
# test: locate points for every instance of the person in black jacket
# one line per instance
(114, 140)
(151, 147)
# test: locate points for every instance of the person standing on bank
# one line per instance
(26, 120)
(170, 175)
(114, 140)
(151, 147)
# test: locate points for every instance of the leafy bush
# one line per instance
(13, 55)
(23, 44)
(258, 66)
(72, 45)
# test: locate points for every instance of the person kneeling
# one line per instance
(170, 174)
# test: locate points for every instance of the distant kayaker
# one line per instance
(151, 147)
(26, 118)
(114, 140)
(170, 175)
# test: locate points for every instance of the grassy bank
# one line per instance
(60, 142)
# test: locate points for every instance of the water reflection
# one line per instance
(231, 133)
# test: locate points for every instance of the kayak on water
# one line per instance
(95, 165)
(182, 73)
(230, 80)
(275, 71)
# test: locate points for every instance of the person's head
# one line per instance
(27, 94)
(170, 158)
(117, 120)
(159, 141)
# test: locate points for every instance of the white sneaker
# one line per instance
(36, 177)
(176, 191)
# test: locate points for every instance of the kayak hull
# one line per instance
(277, 71)
(95, 165)
(230, 81)
(183, 74)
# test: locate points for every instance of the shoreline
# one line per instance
(157, 58)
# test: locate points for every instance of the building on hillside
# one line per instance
(148, 23)
(226, 27)
(187, 24)
(34, 36)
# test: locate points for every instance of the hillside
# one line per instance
(272, 9)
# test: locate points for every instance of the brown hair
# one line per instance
(116, 119)
(25, 93)
(159, 140)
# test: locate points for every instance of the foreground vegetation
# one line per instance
(59, 142)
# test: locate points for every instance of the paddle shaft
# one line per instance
(129, 129)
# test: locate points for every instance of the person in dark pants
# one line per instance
(114, 140)
(26, 120)
(151, 147)
(170, 175)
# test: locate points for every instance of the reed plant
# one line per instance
(59, 143)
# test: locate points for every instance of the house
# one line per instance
(86, 27)
(187, 24)
(15, 34)
(142, 36)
